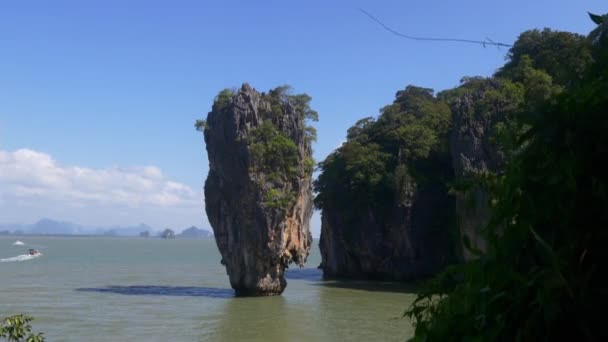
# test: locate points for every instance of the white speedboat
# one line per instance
(33, 252)
(18, 243)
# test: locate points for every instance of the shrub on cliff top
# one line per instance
(282, 95)
(223, 99)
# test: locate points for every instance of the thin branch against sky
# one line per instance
(484, 43)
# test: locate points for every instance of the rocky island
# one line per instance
(258, 194)
(386, 211)
(410, 191)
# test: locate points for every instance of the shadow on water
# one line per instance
(152, 290)
(316, 275)
(369, 285)
(310, 274)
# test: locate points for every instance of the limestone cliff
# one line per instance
(386, 210)
(258, 194)
(409, 242)
(477, 113)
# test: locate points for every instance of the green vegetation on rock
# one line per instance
(565, 67)
(273, 153)
(258, 193)
(529, 141)
(223, 99)
(383, 158)
(274, 157)
(200, 125)
(276, 199)
(541, 278)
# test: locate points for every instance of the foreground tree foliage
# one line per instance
(542, 277)
(17, 328)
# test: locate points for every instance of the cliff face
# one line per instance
(475, 152)
(258, 194)
(406, 162)
(406, 243)
(386, 210)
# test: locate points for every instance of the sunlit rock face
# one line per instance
(260, 215)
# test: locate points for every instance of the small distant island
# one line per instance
(195, 233)
(50, 227)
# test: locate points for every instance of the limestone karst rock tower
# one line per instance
(258, 194)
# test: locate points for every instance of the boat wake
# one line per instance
(22, 257)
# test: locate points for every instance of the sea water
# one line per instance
(138, 289)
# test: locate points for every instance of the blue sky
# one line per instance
(114, 87)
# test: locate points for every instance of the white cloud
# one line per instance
(33, 185)
(29, 175)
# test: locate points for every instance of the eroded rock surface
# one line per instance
(406, 244)
(386, 210)
(258, 194)
(475, 152)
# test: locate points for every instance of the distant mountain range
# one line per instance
(52, 227)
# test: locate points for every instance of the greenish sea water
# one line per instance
(135, 289)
